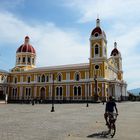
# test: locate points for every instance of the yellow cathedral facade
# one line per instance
(101, 76)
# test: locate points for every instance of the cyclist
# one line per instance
(110, 105)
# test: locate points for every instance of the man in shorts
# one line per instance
(110, 106)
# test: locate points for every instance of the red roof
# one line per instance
(26, 47)
(97, 29)
(114, 52)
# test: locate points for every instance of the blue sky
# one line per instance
(59, 30)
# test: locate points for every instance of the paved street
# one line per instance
(68, 122)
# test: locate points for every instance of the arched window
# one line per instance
(23, 59)
(26, 92)
(60, 91)
(77, 76)
(29, 79)
(43, 78)
(29, 59)
(57, 91)
(19, 60)
(59, 78)
(96, 49)
(47, 78)
(29, 92)
(79, 91)
(75, 91)
(38, 78)
(15, 80)
(42, 93)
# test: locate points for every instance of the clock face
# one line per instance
(96, 34)
(96, 67)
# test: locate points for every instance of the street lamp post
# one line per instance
(88, 89)
(52, 110)
(87, 94)
(96, 89)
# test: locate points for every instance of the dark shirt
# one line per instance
(110, 106)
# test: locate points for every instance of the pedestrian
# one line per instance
(33, 102)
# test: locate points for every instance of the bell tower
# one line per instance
(98, 50)
(98, 42)
(116, 55)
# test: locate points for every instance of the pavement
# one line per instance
(68, 122)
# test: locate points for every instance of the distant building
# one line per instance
(66, 82)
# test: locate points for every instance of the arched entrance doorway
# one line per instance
(42, 93)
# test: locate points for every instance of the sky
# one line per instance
(59, 30)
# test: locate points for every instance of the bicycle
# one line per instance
(111, 124)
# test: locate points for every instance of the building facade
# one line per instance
(67, 82)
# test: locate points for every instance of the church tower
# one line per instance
(116, 55)
(98, 50)
(98, 42)
(25, 56)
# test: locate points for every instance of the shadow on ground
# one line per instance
(102, 134)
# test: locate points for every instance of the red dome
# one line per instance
(96, 30)
(114, 52)
(26, 47)
(99, 31)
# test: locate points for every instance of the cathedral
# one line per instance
(100, 77)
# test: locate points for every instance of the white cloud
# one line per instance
(54, 45)
(107, 9)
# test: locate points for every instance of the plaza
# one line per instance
(68, 122)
